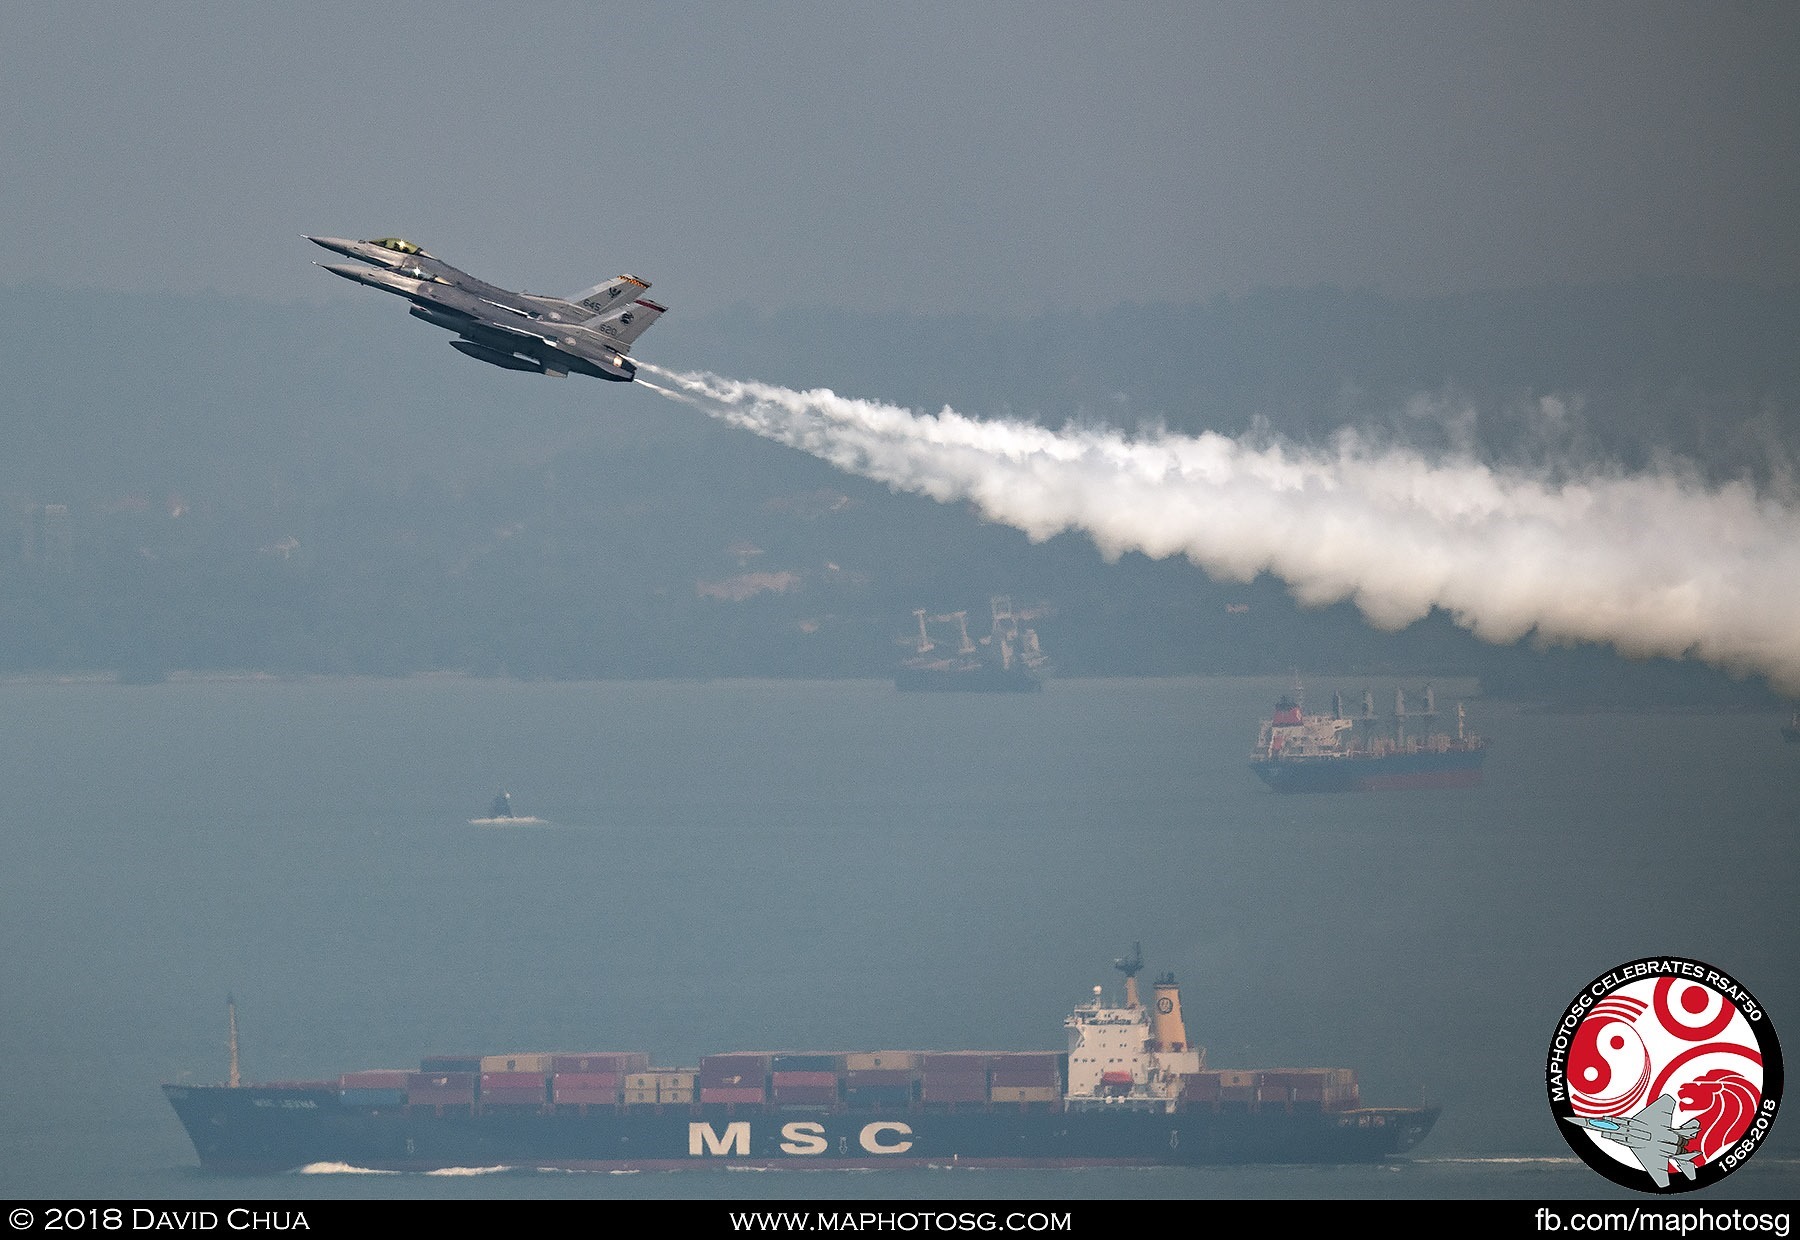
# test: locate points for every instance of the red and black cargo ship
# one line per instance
(1129, 1091)
(1298, 752)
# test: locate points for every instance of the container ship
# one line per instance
(1297, 752)
(1007, 660)
(1129, 1091)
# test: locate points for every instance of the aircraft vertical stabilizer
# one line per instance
(626, 323)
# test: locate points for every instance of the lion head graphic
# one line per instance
(1726, 1103)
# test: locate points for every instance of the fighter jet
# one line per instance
(1650, 1137)
(588, 333)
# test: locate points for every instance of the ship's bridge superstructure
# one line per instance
(1292, 734)
(1126, 1056)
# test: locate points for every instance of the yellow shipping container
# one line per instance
(676, 1080)
(676, 1097)
(1025, 1093)
(872, 1061)
(641, 1080)
(640, 1097)
(535, 1061)
(1238, 1080)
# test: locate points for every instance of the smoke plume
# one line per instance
(1653, 563)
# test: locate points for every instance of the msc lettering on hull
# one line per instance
(802, 1138)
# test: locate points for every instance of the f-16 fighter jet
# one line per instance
(1650, 1137)
(589, 333)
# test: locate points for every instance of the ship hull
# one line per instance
(259, 1129)
(1365, 773)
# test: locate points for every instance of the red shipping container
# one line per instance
(440, 1088)
(590, 1080)
(959, 1088)
(507, 1097)
(828, 1079)
(806, 1095)
(1202, 1088)
(730, 1095)
(865, 1077)
(512, 1080)
(376, 1078)
(585, 1087)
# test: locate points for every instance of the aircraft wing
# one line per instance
(1657, 1167)
(1653, 1156)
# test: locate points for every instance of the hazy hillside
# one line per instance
(231, 484)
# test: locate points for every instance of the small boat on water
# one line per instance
(500, 814)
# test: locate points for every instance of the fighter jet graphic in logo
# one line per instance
(1650, 1138)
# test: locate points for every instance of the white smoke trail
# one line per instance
(1654, 564)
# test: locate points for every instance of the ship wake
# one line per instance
(1653, 564)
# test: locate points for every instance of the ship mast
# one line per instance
(231, 1040)
(1131, 966)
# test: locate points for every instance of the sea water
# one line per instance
(836, 865)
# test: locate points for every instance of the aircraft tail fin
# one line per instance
(604, 298)
(626, 323)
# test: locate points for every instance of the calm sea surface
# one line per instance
(760, 864)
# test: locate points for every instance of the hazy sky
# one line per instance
(988, 157)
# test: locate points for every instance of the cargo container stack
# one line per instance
(514, 1080)
(1031, 1080)
(881, 1079)
(443, 1092)
(1274, 1089)
(734, 1080)
(375, 1087)
(805, 1080)
(955, 1081)
(592, 1078)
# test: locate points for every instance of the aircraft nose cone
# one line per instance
(338, 245)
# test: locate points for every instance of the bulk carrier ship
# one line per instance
(1129, 1091)
(1297, 752)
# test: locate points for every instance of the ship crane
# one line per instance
(925, 643)
(963, 645)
